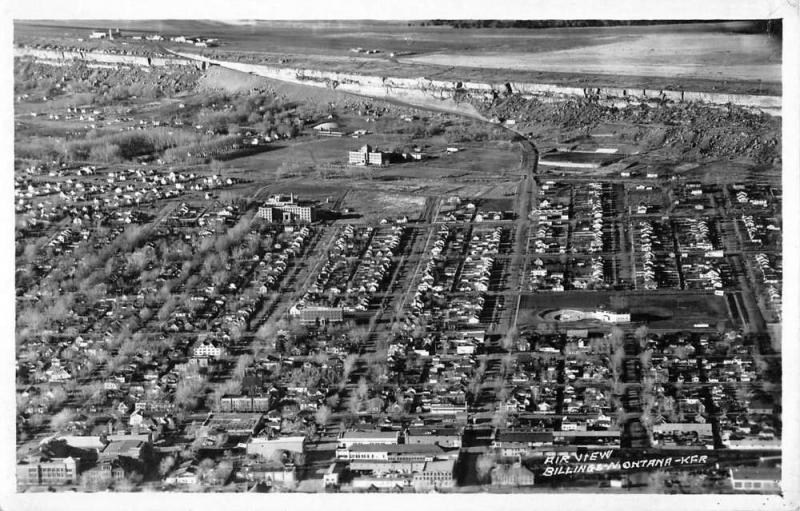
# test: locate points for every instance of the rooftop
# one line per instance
(445, 465)
(278, 440)
(524, 436)
(121, 446)
(369, 434)
(398, 448)
(756, 473)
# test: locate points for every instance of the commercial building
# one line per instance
(348, 439)
(756, 479)
(444, 437)
(266, 447)
(389, 452)
(515, 443)
(384, 482)
(607, 438)
(446, 408)
(679, 434)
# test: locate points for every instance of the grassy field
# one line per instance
(667, 310)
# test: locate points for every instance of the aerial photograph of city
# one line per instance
(419, 256)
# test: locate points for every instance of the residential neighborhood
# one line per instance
(500, 287)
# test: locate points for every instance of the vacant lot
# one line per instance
(383, 205)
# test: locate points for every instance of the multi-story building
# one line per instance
(47, 472)
(322, 315)
(512, 475)
(105, 471)
(298, 212)
(366, 156)
(435, 474)
(211, 349)
(285, 209)
(230, 403)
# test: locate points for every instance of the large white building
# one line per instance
(285, 209)
(211, 349)
(47, 472)
(350, 438)
(366, 156)
(611, 317)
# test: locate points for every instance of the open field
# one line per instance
(712, 56)
(721, 57)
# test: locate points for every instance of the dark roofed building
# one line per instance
(444, 437)
(129, 448)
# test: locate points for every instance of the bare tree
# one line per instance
(62, 418)
(641, 335)
(166, 465)
(349, 364)
(322, 415)
(223, 472)
(32, 318)
(510, 339)
(363, 389)
(483, 466)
